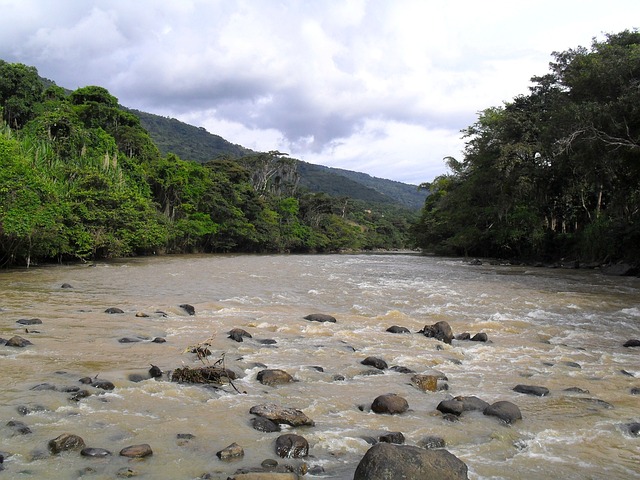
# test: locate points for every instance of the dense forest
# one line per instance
(551, 175)
(80, 179)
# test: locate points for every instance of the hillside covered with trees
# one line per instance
(553, 174)
(80, 178)
(195, 143)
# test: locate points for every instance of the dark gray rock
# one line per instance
(431, 442)
(66, 285)
(159, 340)
(274, 377)
(291, 445)
(375, 362)
(632, 429)
(95, 452)
(532, 390)
(18, 342)
(472, 403)
(264, 425)
(385, 461)
(129, 340)
(65, 442)
(155, 372)
(280, 415)
(635, 391)
(401, 369)
(396, 438)
(480, 337)
(43, 386)
(238, 334)
(506, 411)
(29, 321)
(463, 336)
(103, 384)
(440, 331)
(390, 403)
(398, 329)
(576, 390)
(454, 407)
(634, 342)
(190, 309)
(18, 427)
(113, 310)
(320, 317)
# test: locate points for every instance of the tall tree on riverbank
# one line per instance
(555, 173)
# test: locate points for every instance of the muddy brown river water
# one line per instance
(547, 327)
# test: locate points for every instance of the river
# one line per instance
(547, 327)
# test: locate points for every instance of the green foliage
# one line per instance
(82, 179)
(552, 174)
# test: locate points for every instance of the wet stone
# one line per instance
(159, 340)
(375, 362)
(432, 442)
(103, 384)
(274, 377)
(291, 445)
(129, 340)
(137, 451)
(393, 437)
(264, 425)
(65, 442)
(113, 310)
(390, 403)
(506, 411)
(18, 427)
(29, 321)
(320, 317)
(232, 451)
(532, 390)
(95, 452)
(18, 341)
(190, 309)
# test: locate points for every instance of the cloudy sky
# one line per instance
(381, 86)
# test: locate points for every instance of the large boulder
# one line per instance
(18, 341)
(439, 330)
(385, 461)
(390, 403)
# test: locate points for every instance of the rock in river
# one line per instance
(531, 390)
(279, 414)
(385, 461)
(390, 403)
(506, 411)
(292, 446)
(64, 442)
(274, 377)
(137, 451)
(320, 317)
(440, 331)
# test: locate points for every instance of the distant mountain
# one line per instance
(196, 144)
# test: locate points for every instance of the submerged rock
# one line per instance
(29, 321)
(531, 390)
(634, 342)
(397, 329)
(95, 452)
(320, 317)
(113, 310)
(385, 461)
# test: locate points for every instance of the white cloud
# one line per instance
(380, 86)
